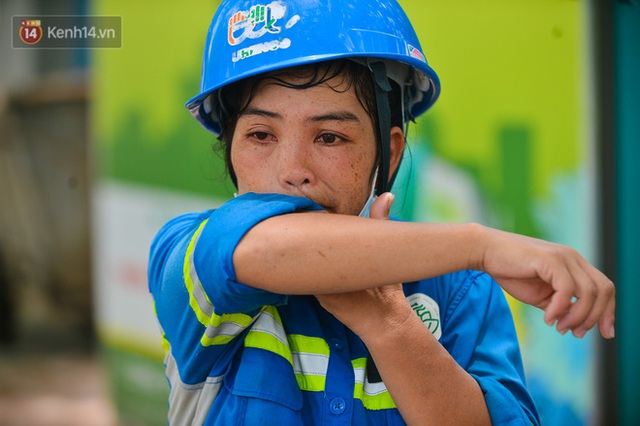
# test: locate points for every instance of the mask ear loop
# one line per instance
(372, 195)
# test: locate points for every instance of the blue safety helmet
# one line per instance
(249, 37)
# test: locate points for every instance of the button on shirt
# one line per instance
(337, 406)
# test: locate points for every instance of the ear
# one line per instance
(397, 148)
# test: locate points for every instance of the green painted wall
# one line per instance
(510, 141)
(142, 130)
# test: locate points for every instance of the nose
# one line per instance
(295, 165)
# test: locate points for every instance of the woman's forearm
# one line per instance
(426, 383)
(317, 253)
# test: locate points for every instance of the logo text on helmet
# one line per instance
(255, 23)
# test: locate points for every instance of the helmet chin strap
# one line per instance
(382, 90)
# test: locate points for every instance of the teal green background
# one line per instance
(627, 145)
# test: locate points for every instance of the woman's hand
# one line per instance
(554, 278)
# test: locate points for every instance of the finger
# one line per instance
(558, 307)
(607, 296)
(562, 299)
(586, 307)
(606, 324)
(603, 305)
(603, 311)
(382, 206)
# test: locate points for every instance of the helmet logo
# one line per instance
(416, 53)
(255, 23)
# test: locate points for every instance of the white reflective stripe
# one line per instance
(189, 404)
(359, 373)
(267, 323)
(267, 333)
(309, 356)
(231, 329)
(198, 292)
(310, 364)
(371, 389)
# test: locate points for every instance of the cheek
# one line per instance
(364, 168)
(348, 168)
(247, 167)
(356, 178)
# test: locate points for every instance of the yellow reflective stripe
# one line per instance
(374, 396)
(224, 328)
(310, 361)
(359, 364)
(382, 401)
(221, 329)
(311, 383)
(309, 356)
(306, 344)
(166, 346)
(268, 333)
(192, 282)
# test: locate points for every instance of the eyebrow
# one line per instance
(260, 112)
(330, 116)
(335, 116)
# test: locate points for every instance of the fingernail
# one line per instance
(612, 331)
(390, 199)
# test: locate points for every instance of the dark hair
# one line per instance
(235, 97)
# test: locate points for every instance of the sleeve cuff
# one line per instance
(227, 225)
(503, 407)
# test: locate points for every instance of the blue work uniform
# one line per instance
(244, 356)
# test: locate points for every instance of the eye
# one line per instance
(328, 138)
(260, 136)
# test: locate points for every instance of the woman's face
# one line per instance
(316, 143)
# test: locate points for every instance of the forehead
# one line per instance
(328, 101)
(339, 78)
(342, 77)
(336, 87)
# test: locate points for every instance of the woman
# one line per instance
(284, 305)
